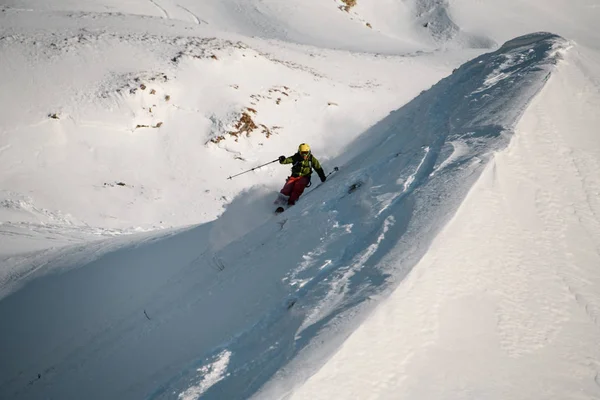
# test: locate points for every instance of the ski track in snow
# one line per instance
(197, 20)
(163, 11)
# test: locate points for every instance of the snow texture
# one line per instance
(453, 255)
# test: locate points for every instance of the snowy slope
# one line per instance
(505, 303)
(135, 101)
(454, 255)
(127, 312)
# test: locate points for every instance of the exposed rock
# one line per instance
(348, 5)
(244, 125)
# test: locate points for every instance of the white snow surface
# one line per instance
(454, 255)
(505, 302)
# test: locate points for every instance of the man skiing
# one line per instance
(303, 162)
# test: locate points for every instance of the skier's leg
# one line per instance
(297, 190)
(286, 190)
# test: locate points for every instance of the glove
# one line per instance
(281, 159)
(323, 178)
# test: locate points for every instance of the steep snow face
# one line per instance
(206, 325)
(505, 303)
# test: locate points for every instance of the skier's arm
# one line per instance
(317, 167)
(286, 160)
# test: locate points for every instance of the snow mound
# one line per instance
(435, 17)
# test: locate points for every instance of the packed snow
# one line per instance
(453, 254)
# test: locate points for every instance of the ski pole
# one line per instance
(334, 170)
(260, 166)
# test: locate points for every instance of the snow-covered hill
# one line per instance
(130, 110)
(454, 254)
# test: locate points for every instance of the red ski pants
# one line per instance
(294, 187)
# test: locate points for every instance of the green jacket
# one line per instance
(302, 167)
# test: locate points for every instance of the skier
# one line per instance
(303, 162)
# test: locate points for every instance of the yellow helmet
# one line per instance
(303, 148)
